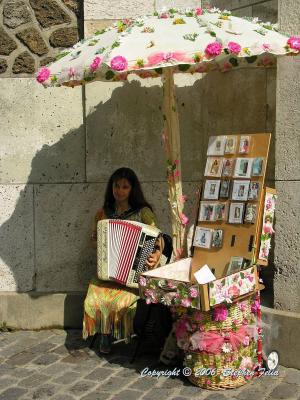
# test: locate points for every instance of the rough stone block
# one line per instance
(243, 12)
(117, 9)
(289, 17)
(3, 66)
(64, 37)
(287, 251)
(49, 13)
(16, 238)
(24, 64)
(181, 4)
(43, 130)
(7, 44)
(92, 26)
(73, 5)
(33, 40)
(16, 13)
(267, 11)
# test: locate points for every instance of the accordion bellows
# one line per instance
(122, 250)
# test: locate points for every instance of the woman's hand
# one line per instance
(153, 259)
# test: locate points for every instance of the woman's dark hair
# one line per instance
(136, 196)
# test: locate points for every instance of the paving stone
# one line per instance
(20, 372)
(43, 347)
(56, 369)
(292, 376)
(5, 369)
(97, 396)
(12, 393)
(21, 358)
(284, 391)
(158, 393)
(218, 396)
(128, 394)
(44, 392)
(67, 378)
(113, 385)
(100, 374)
(80, 388)
(11, 350)
(5, 382)
(191, 391)
(34, 380)
(46, 359)
(144, 383)
(61, 350)
(62, 396)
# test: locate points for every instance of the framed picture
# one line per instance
(236, 211)
(230, 146)
(257, 166)
(253, 190)
(207, 211)
(220, 212)
(214, 166)
(228, 166)
(244, 146)
(243, 168)
(250, 214)
(203, 237)
(216, 145)
(225, 188)
(211, 189)
(217, 238)
(240, 190)
(237, 264)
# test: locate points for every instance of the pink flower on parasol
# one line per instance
(199, 11)
(213, 49)
(43, 75)
(294, 42)
(95, 64)
(160, 57)
(119, 63)
(234, 48)
(266, 47)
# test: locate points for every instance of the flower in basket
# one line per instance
(142, 281)
(186, 302)
(220, 313)
(181, 327)
(267, 228)
(198, 316)
(243, 305)
(193, 292)
(183, 342)
(246, 363)
(246, 341)
(255, 306)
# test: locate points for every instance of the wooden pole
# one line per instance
(172, 147)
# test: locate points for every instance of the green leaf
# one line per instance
(109, 75)
(234, 62)
(100, 32)
(183, 67)
(61, 55)
(242, 275)
(212, 301)
(251, 59)
(115, 44)
(100, 51)
(158, 70)
(223, 282)
(88, 78)
(211, 285)
(212, 33)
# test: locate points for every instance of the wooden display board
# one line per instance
(240, 240)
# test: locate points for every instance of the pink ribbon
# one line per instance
(157, 58)
(212, 342)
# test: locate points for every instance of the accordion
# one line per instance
(122, 250)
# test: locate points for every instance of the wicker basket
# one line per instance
(224, 374)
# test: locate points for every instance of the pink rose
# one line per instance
(181, 328)
(183, 198)
(255, 306)
(220, 313)
(199, 11)
(243, 305)
(198, 316)
(193, 292)
(246, 363)
(148, 300)
(294, 42)
(246, 341)
(234, 291)
(184, 219)
(213, 49)
(119, 63)
(43, 75)
(95, 64)
(164, 15)
(142, 281)
(267, 228)
(234, 48)
(186, 302)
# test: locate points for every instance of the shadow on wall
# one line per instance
(45, 241)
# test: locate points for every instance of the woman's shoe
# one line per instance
(105, 344)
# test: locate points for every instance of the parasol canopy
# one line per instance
(198, 40)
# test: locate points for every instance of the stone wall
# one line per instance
(32, 32)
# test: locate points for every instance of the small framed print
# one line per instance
(228, 166)
(225, 188)
(240, 190)
(237, 264)
(230, 146)
(244, 146)
(216, 145)
(217, 238)
(243, 168)
(220, 212)
(207, 211)
(203, 237)
(211, 189)
(236, 212)
(214, 166)
(250, 214)
(257, 166)
(253, 190)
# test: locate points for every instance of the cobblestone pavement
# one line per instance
(58, 364)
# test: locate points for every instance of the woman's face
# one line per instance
(121, 190)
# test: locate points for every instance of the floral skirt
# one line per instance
(109, 309)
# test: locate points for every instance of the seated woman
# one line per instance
(109, 308)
